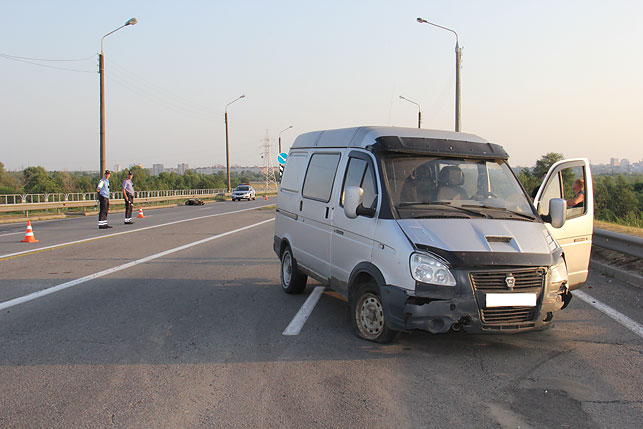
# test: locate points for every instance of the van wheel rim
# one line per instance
(370, 316)
(286, 268)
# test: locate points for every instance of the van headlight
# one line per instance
(558, 273)
(427, 269)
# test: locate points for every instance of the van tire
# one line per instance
(292, 281)
(367, 315)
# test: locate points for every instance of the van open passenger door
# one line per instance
(571, 180)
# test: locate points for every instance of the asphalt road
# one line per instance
(193, 338)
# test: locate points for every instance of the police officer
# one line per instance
(128, 195)
(103, 198)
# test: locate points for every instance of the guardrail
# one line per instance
(622, 243)
(30, 202)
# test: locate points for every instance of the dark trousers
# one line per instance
(104, 208)
(129, 202)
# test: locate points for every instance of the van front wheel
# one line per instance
(292, 281)
(367, 315)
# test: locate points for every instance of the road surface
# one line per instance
(178, 321)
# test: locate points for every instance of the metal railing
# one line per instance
(29, 202)
(90, 196)
(622, 243)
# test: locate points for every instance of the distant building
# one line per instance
(157, 169)
(117, 168)
(182, 168)
(614, 162)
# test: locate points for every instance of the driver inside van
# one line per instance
(419, 186)
(451, 180)
(579, 194)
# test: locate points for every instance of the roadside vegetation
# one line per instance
(618, 199)
(37, 180)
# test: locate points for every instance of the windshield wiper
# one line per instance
(504, 209)
(445, 204)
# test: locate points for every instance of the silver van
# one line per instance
(431, 230)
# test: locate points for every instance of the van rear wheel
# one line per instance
(368, 316)
(292, 281)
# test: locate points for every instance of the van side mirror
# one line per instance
(352, 200)
(557, 212)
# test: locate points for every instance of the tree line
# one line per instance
(617, 199)
(37, 180)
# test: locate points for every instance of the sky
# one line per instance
(537, 76)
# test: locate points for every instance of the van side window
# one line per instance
(359, 173)
(295, 167)
(320, 176)
(553, 190)
(574, 179)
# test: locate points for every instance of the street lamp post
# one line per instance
(419, 110)
(101, 72)
(227, 147)
(285, 129)
(458, 57)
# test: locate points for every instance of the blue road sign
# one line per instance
(282, 157)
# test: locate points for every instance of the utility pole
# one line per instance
(285, 129)
(458, 66)
(227, 145)
(101, 72)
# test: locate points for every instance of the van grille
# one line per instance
(508, 315)
(528, 278)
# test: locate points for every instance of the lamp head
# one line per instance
(243, 96)
(132, 21)
(422, 21)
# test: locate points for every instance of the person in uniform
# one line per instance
(128, 195)
(103, 198)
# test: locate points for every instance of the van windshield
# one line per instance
(425, 187)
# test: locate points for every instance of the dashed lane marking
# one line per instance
(630, 324)
(297, 323)
(63, 286)
(85, 240)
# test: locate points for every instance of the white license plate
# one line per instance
(511, 300)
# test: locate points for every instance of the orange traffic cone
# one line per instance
(140, 212)
(265, 197)
(29, 237)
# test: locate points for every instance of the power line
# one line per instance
(44, 65)
(146, 94)
(43, 59)
(143, 81)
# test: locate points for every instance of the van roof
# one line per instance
(398, 139)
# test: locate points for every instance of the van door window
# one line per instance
(295, 167)
(359, 173)
(553, 190)
(574, 191)
(320, 176)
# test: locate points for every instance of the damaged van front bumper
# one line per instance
(438, 309)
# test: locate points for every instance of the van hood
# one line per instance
(496, 239)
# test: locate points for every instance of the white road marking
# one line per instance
(297, 322)
(128, 232)
(630, 324)
(11, 233)
(63, 286)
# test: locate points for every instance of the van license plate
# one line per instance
(511, 300)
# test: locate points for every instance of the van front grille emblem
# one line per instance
(511, 281)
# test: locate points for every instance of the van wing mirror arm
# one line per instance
(363, 211)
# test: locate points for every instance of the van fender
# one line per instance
(393, 298)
